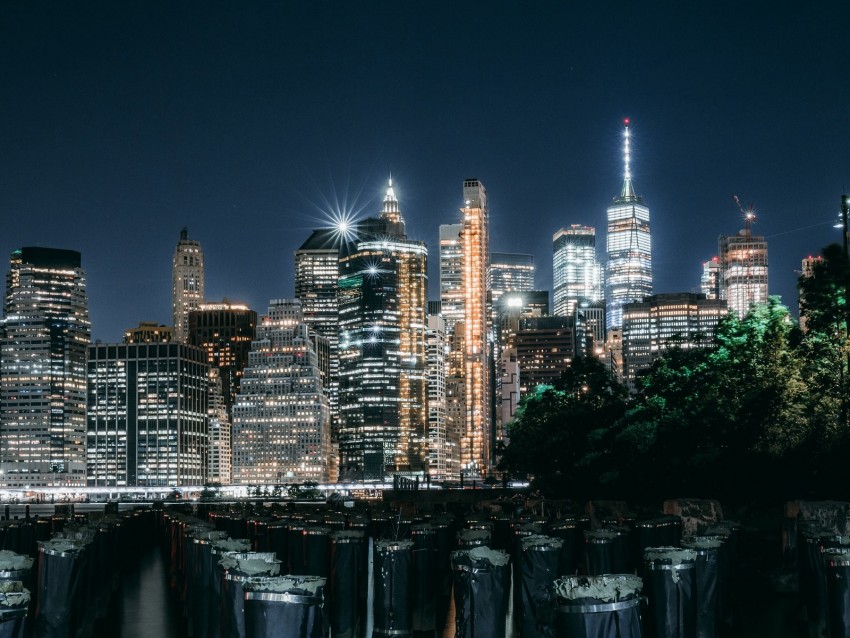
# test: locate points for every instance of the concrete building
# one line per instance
(187, 283)
(43, 339)
(281, 422)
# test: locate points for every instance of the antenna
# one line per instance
(627, 157)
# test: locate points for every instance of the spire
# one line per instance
(628, 190)
(390, 211)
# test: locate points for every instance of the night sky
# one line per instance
(249, 122)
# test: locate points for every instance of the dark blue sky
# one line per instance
(120, 122)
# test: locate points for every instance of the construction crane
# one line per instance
(748, 213)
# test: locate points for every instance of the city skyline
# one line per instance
(226, 127)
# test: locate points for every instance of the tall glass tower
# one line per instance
(629, 270)
(43, 339)
(187, 283)
(576, 273)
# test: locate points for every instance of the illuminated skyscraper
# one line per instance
(43, 338)
(743, 267)
(187, 283)
(709, 283)
(147, 415)
(225, 331)
(576, 273)
(451, 275)
(439, 444)
(475, 450)
(628, 275)
(382, 389)
(317, 288)
(281, 430)
(661, 322)
(510, 272)
(220, 433)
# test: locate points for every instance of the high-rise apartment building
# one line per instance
(576, 272)
(475, 447)
(147, 415)
(187, 283)
(709, 282)
(225, 331)
(628, 275)
(383, 388)
(436, 357)
(43, 339)
(743, 267)
(451, 275)
(281, 423)
(510, 272)
(665, 321)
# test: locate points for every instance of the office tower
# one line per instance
(510, 272)
(451, 275)
(316, 287)
(225, 331)
(147, 415)
(709, 282)
(628, 276)
(149, 332)
(475, 248)
(281, 424)
(187, 283)
(220, 451)
(590, 330)
(743, 268)
(436, 351)
(43, 338)
(545, 348)
(661, 322)
(576, 273)
(382, 389)
(514, 306)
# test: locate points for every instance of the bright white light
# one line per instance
(515, 302)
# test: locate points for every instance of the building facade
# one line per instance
(224, 331)
(440, 446)
(382, 371)
(147, 415)
(628, 274)
(187, 283)
(709, 283)
(281, 421)
(545, 349)
(451, 275)
(666, 321)
(743, 267)
(43, 339)
(149, 332)
(576, 272)
(510, 272)
(219, 463)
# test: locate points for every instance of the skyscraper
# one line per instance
(281, 426)
(576, 273)
(220, 457)
(383, 389)
(510, 272)
(187, 283)
(147, 415)
(317, 288)
(475, 248)
(451, 275)
(439, 444)
(628, 275)
(709, 283)
(743, 268)
(43, 338)
(225, 331)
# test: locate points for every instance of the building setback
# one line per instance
(662, 322)
(147, 415)
(281, 424)
(43, 339)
